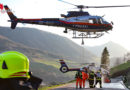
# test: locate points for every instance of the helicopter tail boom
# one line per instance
(13, 18)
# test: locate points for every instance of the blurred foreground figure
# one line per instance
(14, 72)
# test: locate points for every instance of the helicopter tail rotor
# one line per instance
(64, 68)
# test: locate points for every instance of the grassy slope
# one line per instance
(38, 47)
(49, 74)
(123, 69)
(55, 64)
(49, 87)
(120, 67)
(56, 86)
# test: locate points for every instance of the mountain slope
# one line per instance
(48, 73)
(7, 45)
(43, 50)
(46, 42)
(115, 50)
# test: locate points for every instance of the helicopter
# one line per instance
(64, 67)
(90, 67)
(87, 25)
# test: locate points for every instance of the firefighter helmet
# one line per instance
(14, 65)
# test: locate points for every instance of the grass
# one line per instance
(120, 67)
(48, 62)
(53, 63)
(55, 86)
(50, 87)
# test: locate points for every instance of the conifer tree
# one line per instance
(105, 62)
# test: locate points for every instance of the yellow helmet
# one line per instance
(14, 64)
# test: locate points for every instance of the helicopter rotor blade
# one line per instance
(106, 6)
(81, 7)
(67, 2)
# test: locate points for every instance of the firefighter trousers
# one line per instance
(83, 82)
(78, 82)
(100, 83)
(91, 83)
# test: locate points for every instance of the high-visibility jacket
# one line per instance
(78, 74)
(91, 75)
(84, 75)
(98, 76)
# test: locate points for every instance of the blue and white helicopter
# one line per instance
(81, 21)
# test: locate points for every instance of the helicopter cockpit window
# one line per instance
(87, 21)
(100, 21)
(92, 20)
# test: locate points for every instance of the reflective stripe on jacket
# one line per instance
(91, 76)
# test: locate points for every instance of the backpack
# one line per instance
(78, 75)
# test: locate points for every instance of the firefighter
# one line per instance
(84, 76)
(78, 77)
(98, 76)
(91, 79)
(14, 72)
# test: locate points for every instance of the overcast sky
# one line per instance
(53, 8)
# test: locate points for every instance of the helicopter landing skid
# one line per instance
(82, 35)
(87, 35)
